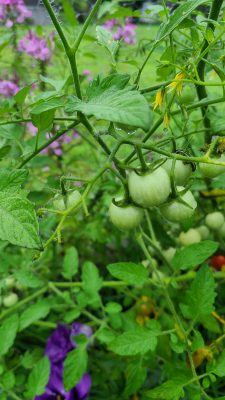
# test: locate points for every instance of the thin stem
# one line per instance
(56, 25)
(75, 75)
(201, 90)
(86, 24)
(46, 144)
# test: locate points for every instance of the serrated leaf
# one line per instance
(28, 279)
(91, 279)
(75, 366)
(137, 341)
(194, 255)
(51, 104)
(109, 102)
(131, 273)
(18, 221)
(11, 180)
(70, 263)
(170, 390)
(219, 365)
(33, 313)
(38, 378)
(200, 298)
(135, 377)
(182, 12)
(8, 332)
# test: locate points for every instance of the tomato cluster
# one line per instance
(152, 189)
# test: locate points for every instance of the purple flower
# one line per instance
(56, 146)
(110, 24)
(37, 47)
(8, 88)
(12, 11)
(87, 73)
(127, 33)
(59, 344)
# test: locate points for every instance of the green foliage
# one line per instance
(75, 366)
(70, 263)
(137, 341)
(132, 274)
(109, 100)
(38, 378)
(8, 332)
(200, 298)
(194, 255)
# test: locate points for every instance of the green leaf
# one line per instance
(75, 366)
(138, 341)
(70, 263)
(194, 255)
(113, 308)
(38, 378)
(51, 104)
(105, 38)
(42, 114)
(182, 12)
(8, 380)
(135, 377)
(133, 274)
(109, 102)
(91, 279)
(8, 332)
(200, 298)
(20, 96)
(18, 221)
(170, 390)
(28, 279)
(219, 366)
(11, 180)
(33, 313)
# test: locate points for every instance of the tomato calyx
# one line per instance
(186, 154)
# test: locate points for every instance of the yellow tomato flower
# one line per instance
(177, 84)
(166, 120)
(158, 99)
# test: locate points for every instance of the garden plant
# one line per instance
(112, 201)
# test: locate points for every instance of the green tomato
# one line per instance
(169, 253)
(182, 171)
(9, 282)
(10, 300)
(204, 232)
(61, 203)
(212, 170)
(214, 220)
(150, 189)
(125, 218)
(189, 237)
(188, 95)
(176, 211)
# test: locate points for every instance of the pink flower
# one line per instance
(55, 147)
(110, 24)
(125, 32)
(87, 73)
(36, 47)
(8, 88)
(12, 11)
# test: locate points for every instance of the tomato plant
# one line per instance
(104, 296)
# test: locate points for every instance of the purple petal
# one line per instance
(83, 387)
(58, 344)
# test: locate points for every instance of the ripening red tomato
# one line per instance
(218, 261)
